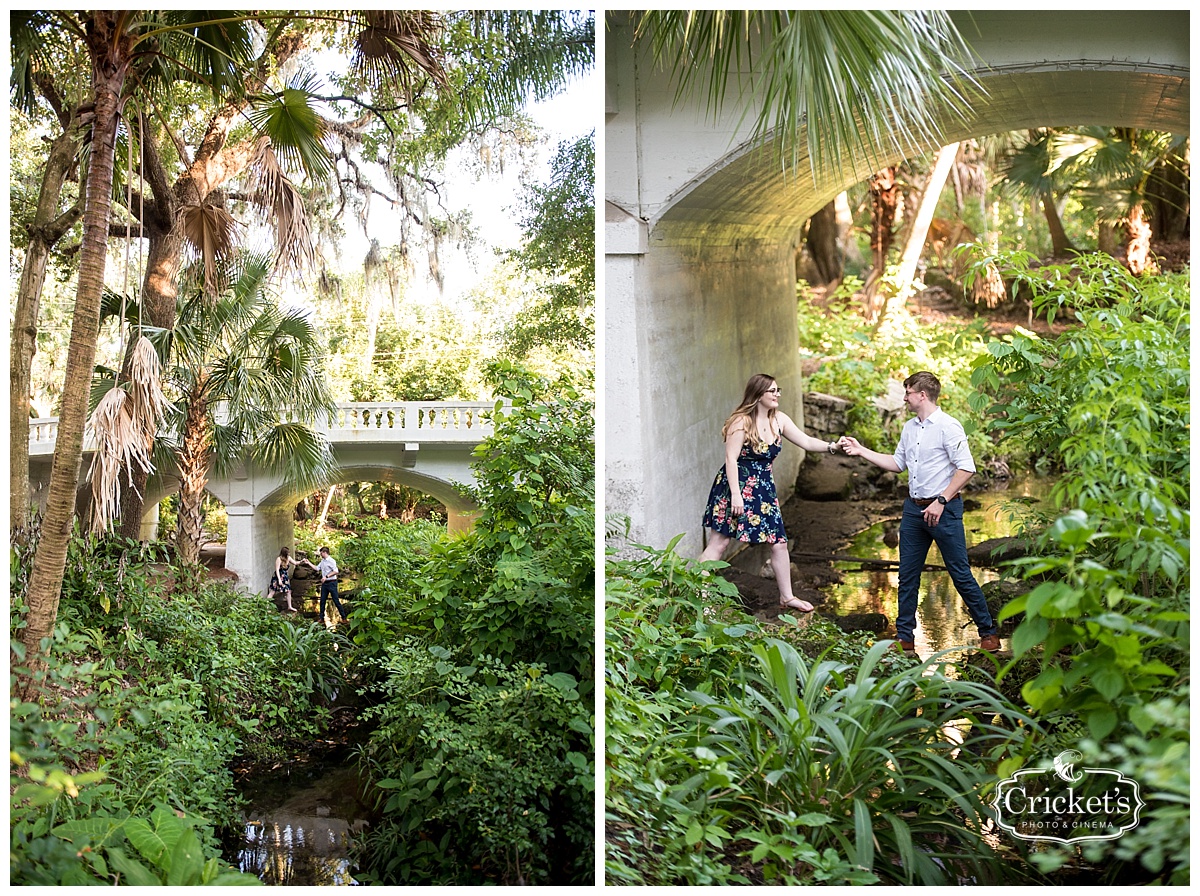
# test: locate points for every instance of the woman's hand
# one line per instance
(736, 505)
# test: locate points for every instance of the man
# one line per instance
(933, 448)
(329, 581)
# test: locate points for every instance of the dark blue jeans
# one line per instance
(915, 538)
(329, 589)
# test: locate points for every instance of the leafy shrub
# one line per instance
(1108, 620)
(93, 759)
(485, 744)
(484, 770)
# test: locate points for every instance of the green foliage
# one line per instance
(1108, 619)
(161, 849)
(560, 227)
(479, 651)
(95, 757)
(149, 695)
(732, 758)
(484, 770)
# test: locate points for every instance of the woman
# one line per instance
(742, 504)
(281, 582)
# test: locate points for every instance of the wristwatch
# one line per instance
(941, 499)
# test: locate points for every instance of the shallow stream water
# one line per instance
(300, 825)
(942, 619)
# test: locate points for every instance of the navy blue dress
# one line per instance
(762, 522)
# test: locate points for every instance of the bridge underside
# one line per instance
(701, 231)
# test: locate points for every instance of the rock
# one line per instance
(891, 404)
(825, 415)
(1000, 593)
(859, 622)
(996, 551)
(827, 477)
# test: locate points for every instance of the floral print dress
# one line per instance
(762, 521)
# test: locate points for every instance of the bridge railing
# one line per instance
(412, 421)
(441, 419)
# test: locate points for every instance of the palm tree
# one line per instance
(114, 41)
(1110, 169)
(863, 87)
(247, 385)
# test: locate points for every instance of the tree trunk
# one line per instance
(1169, 197)
(884, 198)
(942, 164)
(1060, 244)
(193, 477)
(47, 228)
(1137, 246)
(822, 243)
(110, 52)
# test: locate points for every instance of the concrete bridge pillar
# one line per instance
(460, 520)
(149, 530)
(256, 534)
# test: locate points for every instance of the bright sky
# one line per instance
(492, 201)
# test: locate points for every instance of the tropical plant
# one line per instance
(247, 376)
(1111, 169)
(906, 68)
(732, 758)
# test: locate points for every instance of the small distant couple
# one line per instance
(328, 569)
(743, 504)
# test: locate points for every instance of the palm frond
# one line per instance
(282, 206)
(861, 86)
(210, 232)
(297, 452)
(297, 132)
(398, 47)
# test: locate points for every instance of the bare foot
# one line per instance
(795, 603)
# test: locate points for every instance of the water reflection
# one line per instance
(300, 827)
(294, 850)
(942, 619)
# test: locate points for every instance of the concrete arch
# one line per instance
(701, 227)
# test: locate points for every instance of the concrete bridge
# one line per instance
(426, 445)
(701, 228)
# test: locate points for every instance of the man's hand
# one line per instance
(933, 513)
(850, 446)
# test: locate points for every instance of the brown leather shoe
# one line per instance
(905, 646)
(989, 643)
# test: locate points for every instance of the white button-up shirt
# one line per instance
(327, 568)
(931, 451)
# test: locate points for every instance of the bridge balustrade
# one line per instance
(400, 420)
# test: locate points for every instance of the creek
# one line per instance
(300, 822)
(301, 816)
(942, 619)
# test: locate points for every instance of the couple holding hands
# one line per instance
(743, 505)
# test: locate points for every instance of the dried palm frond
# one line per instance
(397, 47)
(209, 231)
(280, 204)
(119, 443)
(148, 402)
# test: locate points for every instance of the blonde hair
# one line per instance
(756, 387)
